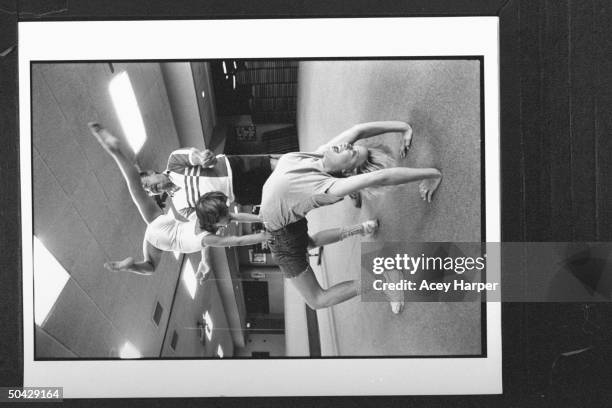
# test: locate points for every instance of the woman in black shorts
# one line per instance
(304, 181)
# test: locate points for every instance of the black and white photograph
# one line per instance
(258, 204)
(151, 257)
(215, 210)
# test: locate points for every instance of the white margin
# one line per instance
(299, 38)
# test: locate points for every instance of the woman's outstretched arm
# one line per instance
(244, 217)
(229, 241)
(370, 129)
(204, 270)
(388, 177)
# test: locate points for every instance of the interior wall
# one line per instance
(272, 343)
(83, 213)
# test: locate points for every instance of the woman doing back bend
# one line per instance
(305, 181)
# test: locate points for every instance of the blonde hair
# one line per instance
(378, 158)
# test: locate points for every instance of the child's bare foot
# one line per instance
(396, 297)
(108, 141)
(428, 187)
(369, 227)
(120, 266)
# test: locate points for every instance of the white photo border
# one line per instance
(302, 38)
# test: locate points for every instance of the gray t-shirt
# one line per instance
(297, 185)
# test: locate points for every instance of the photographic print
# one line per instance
(191, 211)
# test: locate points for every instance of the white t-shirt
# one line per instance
(168, 234)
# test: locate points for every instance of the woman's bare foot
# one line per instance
(396, 297)
(120, 266)
(428, 187)
(109, 142)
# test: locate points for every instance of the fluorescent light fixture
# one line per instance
(189, 279)
(235, 65)
(208, 325)
(220, 351)
(234, 81)
(50, 278)
(129, 351)
(126, 107)
(224, 68)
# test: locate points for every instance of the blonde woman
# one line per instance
(302, 182)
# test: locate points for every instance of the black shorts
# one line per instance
(289, 247)
(249, 173)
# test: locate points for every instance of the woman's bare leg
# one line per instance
(151, 258)
(396, 298)
(332, 235)
(316, 297)
(146, 206)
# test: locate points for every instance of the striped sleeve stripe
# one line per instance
(193, 183)
(186, 183)
(197, 183)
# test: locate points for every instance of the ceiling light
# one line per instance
(126, 107)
